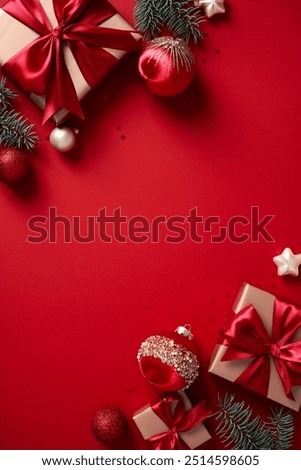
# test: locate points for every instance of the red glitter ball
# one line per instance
(109, 425)
(14, 165)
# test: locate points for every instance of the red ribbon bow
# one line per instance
(40, 67)
(247, 338)
(177, 420)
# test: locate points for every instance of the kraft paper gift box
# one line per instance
(235, 370)
(15, 36)
(151, 425)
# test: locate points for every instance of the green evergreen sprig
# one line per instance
(183, 19)
(237, 428)
(148, 18)
(15, 131)
(5, 94)
(281, 425)
(180, 17)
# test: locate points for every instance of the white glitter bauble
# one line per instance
(63, 139)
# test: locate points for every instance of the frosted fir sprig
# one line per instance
(237, 428)
(281, 425)
(181, 17)
(148, 18)
(5, 94)
(15, 132)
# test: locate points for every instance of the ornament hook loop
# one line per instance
(185, 331)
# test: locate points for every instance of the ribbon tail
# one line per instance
(61, 93)
(290, 375)
(194, 417)
(256, 376)
(167, 441)
(156, 442)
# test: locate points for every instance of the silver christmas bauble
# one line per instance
(63, 139)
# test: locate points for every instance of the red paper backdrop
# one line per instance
(73, 315)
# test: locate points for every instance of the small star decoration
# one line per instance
(211, 7)
(287, 263)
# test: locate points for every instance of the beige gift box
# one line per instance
(263, 302)
(15, 36)
(149, 424)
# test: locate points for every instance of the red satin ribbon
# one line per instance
(247, 338)
(40, 67)
(177, 421)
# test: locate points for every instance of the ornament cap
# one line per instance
(185, 331)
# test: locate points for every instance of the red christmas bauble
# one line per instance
(169, 361)
(167, 65)
(14, 165)
(109, 425)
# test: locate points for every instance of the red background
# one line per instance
(73, 315)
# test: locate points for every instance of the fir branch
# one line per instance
(15, 132)
(281, 425)
(237, 428)
(5, 94)
(183, 19)
(148, 18)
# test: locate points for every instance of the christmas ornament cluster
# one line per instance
(169, 361)
(167, 64)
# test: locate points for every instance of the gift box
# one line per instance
(56, 52)
(260, 347)
(172, 423)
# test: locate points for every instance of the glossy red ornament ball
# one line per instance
(167, 66)
(14, 165)
(109, 425)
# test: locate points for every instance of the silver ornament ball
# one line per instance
(63, 139)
